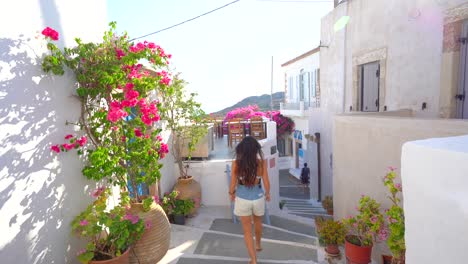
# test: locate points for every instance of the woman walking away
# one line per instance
(249, 172)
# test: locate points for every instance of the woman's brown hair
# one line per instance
(247, 152)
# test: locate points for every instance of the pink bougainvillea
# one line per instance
(50, 33)
(284, 124)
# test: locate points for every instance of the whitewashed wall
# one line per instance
(170, 170)
(435, 177)
(40, 192)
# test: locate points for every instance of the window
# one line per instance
(369, 94)
(284, 146)
(290, 89)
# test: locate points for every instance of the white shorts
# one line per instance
(243, 207)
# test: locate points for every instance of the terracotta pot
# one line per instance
(122, 259)
(189, 189)
(154, 242)
(332, 250)
(389, 260)
(357, 254)
(330, 211)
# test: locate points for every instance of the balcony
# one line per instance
(299, 108)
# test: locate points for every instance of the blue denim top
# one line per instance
(249, 192)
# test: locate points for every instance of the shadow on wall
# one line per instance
(39, 191)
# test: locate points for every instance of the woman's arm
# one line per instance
(266, 180)
(232, 186)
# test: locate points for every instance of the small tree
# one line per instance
(184, 118)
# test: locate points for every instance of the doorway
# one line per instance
(461, 96)
(369, 96)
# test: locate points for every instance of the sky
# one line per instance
(225, 56)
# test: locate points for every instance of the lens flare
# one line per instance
(341, 23)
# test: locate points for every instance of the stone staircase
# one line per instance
(212, 238)
(304, 208)
(289, 239)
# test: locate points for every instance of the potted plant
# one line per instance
(176, 208)
(327, 204)
(121, 145)
(332, 233)
(281, 204)
(109, 233)
(363, 230)
(319, 220)
(182, 208)
(168, 204)
(186, 120)
(395, 221)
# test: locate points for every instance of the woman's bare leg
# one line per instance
(248, 238)
(258, 232)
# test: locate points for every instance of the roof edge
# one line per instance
(308, 53)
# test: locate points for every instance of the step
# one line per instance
(215, 244)
(292, 225)
(203, 259)
(310, 215)
(269, 232)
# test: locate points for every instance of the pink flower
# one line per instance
(115, 104)
(131, 94)
(115, 114)
(82, 141)
(383, 234)
(156, 199)
(123, 139)
(49, 32)
(115, 128)
(165, 80)
(398, 186)
(132, 218)
(84, 222)
(142, 103)
(129, 103)
(391, 168)
(68, 136)
(68, 146)
(129, 86)
(55, 148)
(148, 224)
(96, 193)
(81, 252)
(374, 219)
(163, 150)
(120, 53)
(138, 132)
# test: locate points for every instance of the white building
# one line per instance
(392, 72)
(302, 93)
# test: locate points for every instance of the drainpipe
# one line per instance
(319, 170)
(345, 61)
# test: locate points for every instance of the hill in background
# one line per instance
(262, 101)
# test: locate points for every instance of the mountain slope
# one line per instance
(262, 101)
